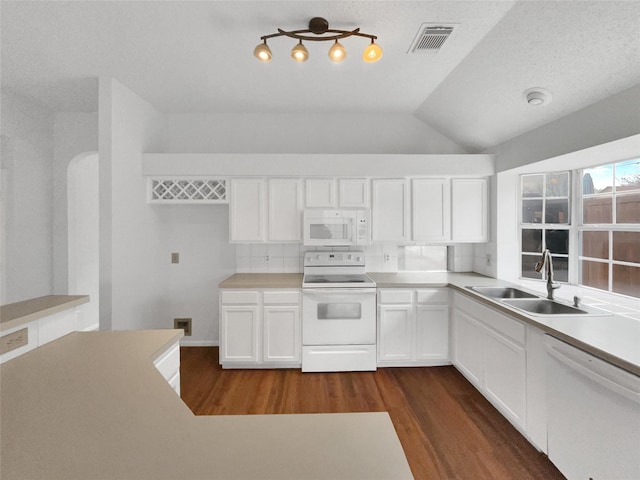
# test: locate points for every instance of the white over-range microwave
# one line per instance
(336, 227)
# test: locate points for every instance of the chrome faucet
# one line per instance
(546, 260)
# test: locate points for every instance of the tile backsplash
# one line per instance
(289, 257)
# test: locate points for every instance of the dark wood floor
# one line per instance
(446, 427)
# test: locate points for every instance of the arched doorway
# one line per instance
(83, 235)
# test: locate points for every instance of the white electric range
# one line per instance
(338, 313)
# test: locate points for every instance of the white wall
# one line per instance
(73, 134)
(27, 192)
(343, 133)
(606, 131)
(139, 284)
(611, 119)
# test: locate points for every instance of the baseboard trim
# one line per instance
(184, 342)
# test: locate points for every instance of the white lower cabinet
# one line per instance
(260, 328)
(413, 327)
(168, 364)
(489, 349)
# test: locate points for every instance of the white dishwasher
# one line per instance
(593, 415)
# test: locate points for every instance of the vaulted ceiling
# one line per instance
(197, 57)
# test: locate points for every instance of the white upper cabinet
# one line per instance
(354, 193)
(320, 193)
(285, 210)
(390, 210)
(350, 193)
(430, 209)
(247, 212)
(469, 210)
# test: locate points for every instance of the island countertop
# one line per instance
(92, 405)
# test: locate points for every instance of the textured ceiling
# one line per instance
(197, 57)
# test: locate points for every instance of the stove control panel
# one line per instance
(334, 259)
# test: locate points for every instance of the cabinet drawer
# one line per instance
(395, 296)
(281, 298)
(169, 362)
(433, 295)
(248, 297)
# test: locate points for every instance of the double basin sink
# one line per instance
(527, 302)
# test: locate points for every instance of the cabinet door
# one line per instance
(469, 210)
(247, 210)
(395, 332)
(281, 336)
(354, 192)
(239, 334)
(285, 210)
(389, 212)
(467, 346)
(430, 210)
(505, 375)
(320, 193)
(432, 332)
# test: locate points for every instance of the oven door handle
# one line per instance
(325, 291)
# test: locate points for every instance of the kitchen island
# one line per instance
(92, 405)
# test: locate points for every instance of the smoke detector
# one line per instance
(537, 96)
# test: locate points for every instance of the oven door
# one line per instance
(329, 231)
(339, 316)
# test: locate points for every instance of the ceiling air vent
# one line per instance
(430, 38)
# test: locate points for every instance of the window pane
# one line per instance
(600, 177)
(560, 269)
(595, 244)
(626, 280)
(595, 274)
(628, 175)
(597, 210)
(557, 185)
(626, 247)
(528, 266)
(557, 241)
(531, 240)
(557, 211)
(628, 208)
(531, 211)
(532, 185)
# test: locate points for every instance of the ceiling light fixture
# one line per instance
(319, 27)
(537, 96)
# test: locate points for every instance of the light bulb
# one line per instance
(262, 52)
(372, 53)
(300, 53)
(337, 52)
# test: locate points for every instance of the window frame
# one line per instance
(576, 226)
(609, 228)
(544, 226)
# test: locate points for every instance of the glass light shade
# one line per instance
(300, 53)
(337, 52)
(372, 53)
(262, 52)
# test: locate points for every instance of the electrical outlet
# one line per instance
(14, 340)
(184, 324)
(488, 260)
(266, 257)
(175, 257)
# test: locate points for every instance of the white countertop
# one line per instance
(92, 405)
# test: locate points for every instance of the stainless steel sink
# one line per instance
(502, 292)
(542, 306)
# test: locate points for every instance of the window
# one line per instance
(544, 222)
(610, 228)
(604, 234)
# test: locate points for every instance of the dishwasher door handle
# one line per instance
(599, 371)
